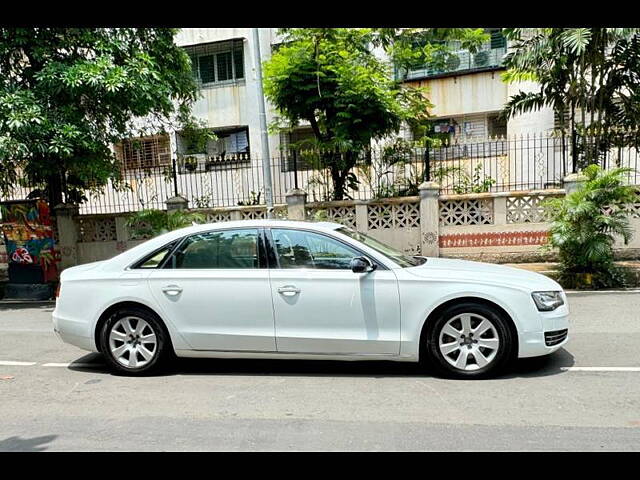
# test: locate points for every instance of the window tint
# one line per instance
(223, 249)
(156, 258)
(396, 255)
(299, 249)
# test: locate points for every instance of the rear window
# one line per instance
(221, 249)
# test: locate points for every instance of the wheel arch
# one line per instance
(430, 320)
(127, 304)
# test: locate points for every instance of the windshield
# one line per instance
(396, 255)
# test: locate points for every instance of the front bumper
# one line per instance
(548, 339)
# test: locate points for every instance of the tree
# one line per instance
(68, 94)
(584, 226)
(332, 79)
(591, 74)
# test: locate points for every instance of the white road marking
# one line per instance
(600, 369)
(12, 363)
(64, 365)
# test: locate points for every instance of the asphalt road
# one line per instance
(64, 399)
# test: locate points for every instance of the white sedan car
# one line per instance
(285, 289)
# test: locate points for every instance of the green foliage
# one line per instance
(151, 222)
(585, 225)
(430, 47)
(477, 183)
(589, 74)
(331, 78)
(68, 94)
(394, 157)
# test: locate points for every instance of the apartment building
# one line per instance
(467, 95)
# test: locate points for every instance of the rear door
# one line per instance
(215, 288)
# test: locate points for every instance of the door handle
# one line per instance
(172, 290)
(288, 290)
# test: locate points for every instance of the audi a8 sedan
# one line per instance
(301, 290)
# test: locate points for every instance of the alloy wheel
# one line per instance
(133, 342)
(469, 341)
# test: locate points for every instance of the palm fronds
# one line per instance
(586, 224)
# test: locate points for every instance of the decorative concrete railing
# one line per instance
(506, 226)
(494, 226)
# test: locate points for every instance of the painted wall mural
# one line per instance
(29, 240)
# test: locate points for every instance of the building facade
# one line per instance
(467, 96)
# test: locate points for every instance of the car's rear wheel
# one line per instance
(134, 341)
(470, 340)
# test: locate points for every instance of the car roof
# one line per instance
(326, 226)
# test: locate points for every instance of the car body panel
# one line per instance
(373, 315)
(337, 311)
(218, 309)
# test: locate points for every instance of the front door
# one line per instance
(322, 307)
(215, 288)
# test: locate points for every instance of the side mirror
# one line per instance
(362, 265)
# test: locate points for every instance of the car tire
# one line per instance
(469, 340)
(135, 342)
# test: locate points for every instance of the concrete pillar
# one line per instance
(296, 201)
(500, 210)
(177, 203)
(67, 234)
(573, 182)
(362, 217)
(429, 219)
(122, 231)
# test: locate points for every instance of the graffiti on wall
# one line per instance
(28, 234)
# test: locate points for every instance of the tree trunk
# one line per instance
(338, 180)
(54, 190)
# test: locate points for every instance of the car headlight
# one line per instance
(547, 301)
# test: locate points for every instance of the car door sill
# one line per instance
(273, 354)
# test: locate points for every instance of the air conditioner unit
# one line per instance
(481, 59)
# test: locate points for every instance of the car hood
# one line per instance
(483, 273)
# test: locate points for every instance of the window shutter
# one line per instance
(497, 39)
(223, 61)
(238, 59)
(207, 72)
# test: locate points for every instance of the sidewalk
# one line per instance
(550, 269)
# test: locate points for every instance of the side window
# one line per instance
(223, 249)
(156, 258)
(299, 249)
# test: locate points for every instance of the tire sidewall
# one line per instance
(161, 347)
(502, 358)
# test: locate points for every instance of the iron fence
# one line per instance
(523, 163)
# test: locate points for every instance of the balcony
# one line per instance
(461, 62)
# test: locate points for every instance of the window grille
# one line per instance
(144, 152)
(218, 62)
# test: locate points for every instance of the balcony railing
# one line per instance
(461, 61)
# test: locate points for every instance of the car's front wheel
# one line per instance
(133, 341)
(470, 340)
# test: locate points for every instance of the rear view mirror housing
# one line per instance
(362, 265)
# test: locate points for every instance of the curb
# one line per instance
(8, 303)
